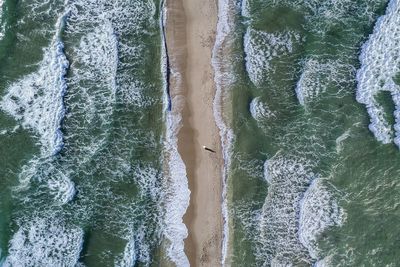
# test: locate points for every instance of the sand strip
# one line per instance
(191, 28)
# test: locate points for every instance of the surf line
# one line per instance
(167, 73)
(64, 68)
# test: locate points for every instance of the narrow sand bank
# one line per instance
(191, 26)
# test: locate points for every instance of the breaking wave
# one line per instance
(262, 47)
(2, 23)
(296, 211)
(36, 101)
(259, 110)
(318, 75)
(379, 67)
(318, 211)
(288, 179)
(177, 194)
(224, 78)
(45, 242)
(88, 114)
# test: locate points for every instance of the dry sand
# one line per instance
(190, 32)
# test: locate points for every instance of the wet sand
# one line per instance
(190, 32)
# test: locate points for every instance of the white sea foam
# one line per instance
(340, 140)
(259, 110)
(102, 75)
(60, 186)
(97, 60)
(325, 262)
(395, 92)
(224, 77)
(45, 171)
(136, 249)
(110, 57)
(267, 176)
(2, 24)
(245, 8)
(36, 100)
(262, 47)
(98, 50)
(288, 179)
(379, 66)
(317, 75)
(129, 256)
(45, 242)
(297, 210)
(9, 131)
(104, 69)
(318, 211)
(176, 192)
(295, 213)
(147, 178)
(105, 78)
(322, 15)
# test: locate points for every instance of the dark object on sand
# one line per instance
(209, 149)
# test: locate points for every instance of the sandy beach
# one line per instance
(190, 33)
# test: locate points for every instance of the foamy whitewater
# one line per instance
(177, 194)
(297, 210)
(295, 75)
(176, 188)
(318, 211)
(379, 67)
(45, 242)
(260, 110)
(288, 179)
(2, 23)
(319, 74)
(99, 172)
(263, 47)
(37, 100)
(89, 163)
(224, 78)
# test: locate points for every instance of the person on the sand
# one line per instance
(209, 149)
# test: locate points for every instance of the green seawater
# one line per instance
(82, 136)
(91, 197)
(308, 182)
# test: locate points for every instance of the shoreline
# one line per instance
(191, 31)
(221, 62)
(177, 191)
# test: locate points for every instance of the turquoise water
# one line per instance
(309, 182)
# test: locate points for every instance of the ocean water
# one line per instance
(83, 136)
(307, 104)
(311, 103)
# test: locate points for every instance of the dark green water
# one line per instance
(308, 182)
(82, 132)
(314, 174)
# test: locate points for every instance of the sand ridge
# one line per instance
(190, 32)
